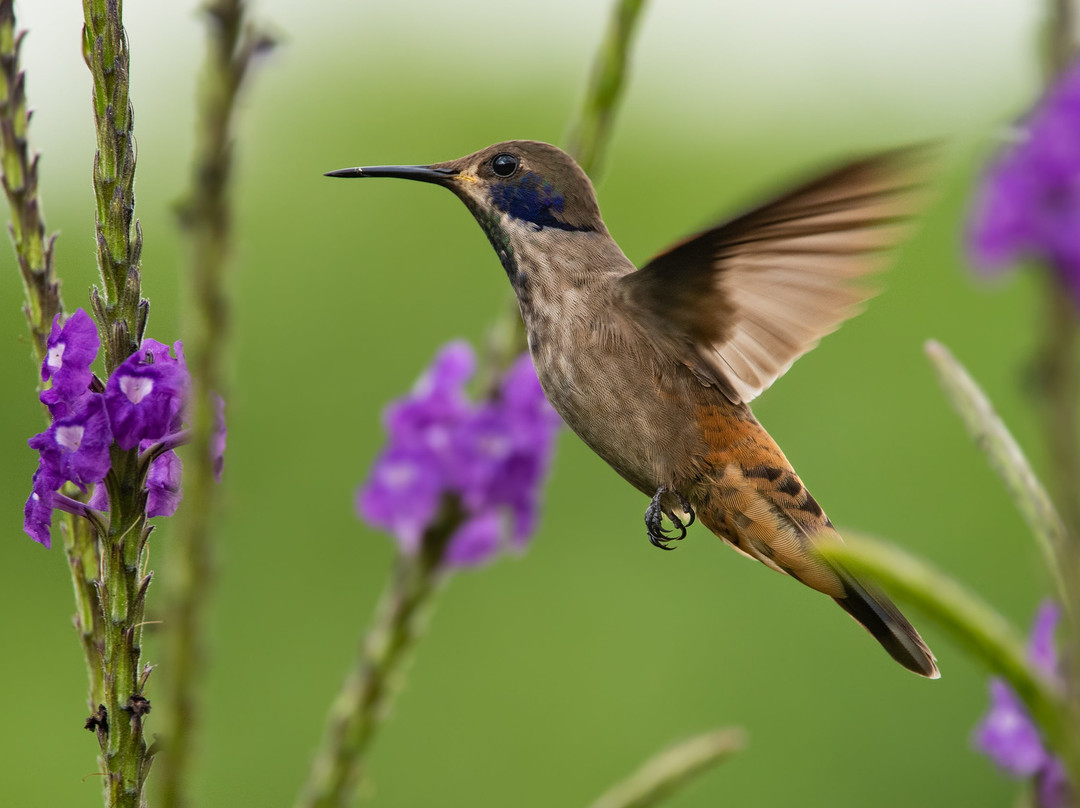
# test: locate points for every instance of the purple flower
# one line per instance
(37, 515)
(163, 484)
(76, 447)
(69, 353)
(403, 493)
(217, 440)
(146, 394)
(1009, 737)
(491, 456)
(1029, 201)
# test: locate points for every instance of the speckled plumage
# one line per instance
(654, 368)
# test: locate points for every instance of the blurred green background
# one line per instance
(546, 677)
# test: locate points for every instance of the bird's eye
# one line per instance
(504, 164)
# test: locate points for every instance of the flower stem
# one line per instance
(663, 774)
(33, 251)
(121, 317)
(121, 312)
(1008, 460)
(206, 217)
(368, 693)
(591, 132)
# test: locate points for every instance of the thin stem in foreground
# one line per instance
(206, 216)
(666, 772)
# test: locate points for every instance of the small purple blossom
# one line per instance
(70, 350)
(217, 440)
(1009, 737)
(163, 484)
(146, 394)
(1029, 201)
(37, 515)
(492, 456)
(76, 447)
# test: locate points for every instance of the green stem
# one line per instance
(122, 590)
(121, 311)
(368, 693)
(973, 624)
(1008, 460)
(34, 253)
(206, 217)
(591, 133)
(662, 775)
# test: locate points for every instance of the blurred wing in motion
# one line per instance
(751, 296)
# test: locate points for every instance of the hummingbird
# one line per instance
(655, 368)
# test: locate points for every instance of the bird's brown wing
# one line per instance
(754, 294)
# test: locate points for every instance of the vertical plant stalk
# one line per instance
(120, 311)
(587, 141)
(206, 217)
(662, 775)
(591, 132)
(33, 251)
(34, 255)
(1058, 360)
(121, 317)
(367, 695)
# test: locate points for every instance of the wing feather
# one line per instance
(754, 294)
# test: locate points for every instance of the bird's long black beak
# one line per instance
(439, 176)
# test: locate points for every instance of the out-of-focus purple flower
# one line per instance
(37, 515)
(1009, 737)
(76, 447)
(1029, 201)
(217, 440)
(475, 541)
(492, 456)
(146, 394)
(70, 350)
(163, 484)
(402, 494)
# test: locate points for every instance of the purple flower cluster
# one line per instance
(141, 405)
(1029, 201)
(1009, 737)
(492, 455)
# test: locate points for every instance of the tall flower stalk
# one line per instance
(206, 216)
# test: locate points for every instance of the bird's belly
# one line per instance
(621, 411)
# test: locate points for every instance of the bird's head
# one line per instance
(522, 192)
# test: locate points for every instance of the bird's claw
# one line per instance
(654, 520)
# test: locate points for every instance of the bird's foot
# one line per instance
(654, 519)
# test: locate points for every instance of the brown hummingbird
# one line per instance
(655, 368)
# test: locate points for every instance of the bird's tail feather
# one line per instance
(883, 620)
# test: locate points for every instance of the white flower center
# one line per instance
(56, 356)
(399, 475)
(70, 437)
(136, 388)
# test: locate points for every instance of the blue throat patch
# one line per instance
(531, 199)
